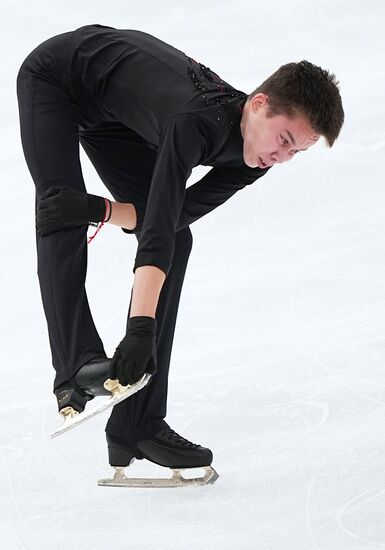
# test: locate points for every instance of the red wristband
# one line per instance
(106, 201)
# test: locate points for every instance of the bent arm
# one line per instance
(215, 188)
(181, 147)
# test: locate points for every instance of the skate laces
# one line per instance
(171, 435)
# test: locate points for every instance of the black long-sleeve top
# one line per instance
(183, 110)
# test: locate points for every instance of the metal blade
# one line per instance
(177, 480)
(125, 391)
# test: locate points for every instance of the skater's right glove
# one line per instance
(136, 353)
(64, 207)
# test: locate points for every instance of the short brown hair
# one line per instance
(304, 88)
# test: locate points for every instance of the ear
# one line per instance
(259, 101)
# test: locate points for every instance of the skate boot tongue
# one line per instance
(170, 435)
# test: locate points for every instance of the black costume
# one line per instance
(145, 114)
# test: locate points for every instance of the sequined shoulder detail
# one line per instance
(214, 91)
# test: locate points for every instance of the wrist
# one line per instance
(123, 214)
(148, 283)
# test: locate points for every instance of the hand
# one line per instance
(63, 207)
(136, 353)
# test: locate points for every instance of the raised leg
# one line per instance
(49, 129)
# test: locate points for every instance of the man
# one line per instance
(146, 114)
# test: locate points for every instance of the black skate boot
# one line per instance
(91, 380)
(85, 385)
(165, 448)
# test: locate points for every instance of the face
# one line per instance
(268, 140)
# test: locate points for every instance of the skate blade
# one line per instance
(177, 480)
(119, 393)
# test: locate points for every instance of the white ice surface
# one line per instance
(278, 361)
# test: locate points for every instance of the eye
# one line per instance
(284, 140)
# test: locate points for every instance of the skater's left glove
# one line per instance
(136, 353)
(64, 207)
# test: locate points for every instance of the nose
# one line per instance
(280, 156)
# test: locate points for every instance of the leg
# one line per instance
(122, 159)
(49, 134)
(142, 415)
(125, 164)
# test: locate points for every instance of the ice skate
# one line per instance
(165, 448)
(92, 380)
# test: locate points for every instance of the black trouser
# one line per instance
(51, 127)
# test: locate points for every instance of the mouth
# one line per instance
(262, 164)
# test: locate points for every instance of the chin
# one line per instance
(251, 164)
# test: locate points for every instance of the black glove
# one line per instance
(136, 353)
(64, 207)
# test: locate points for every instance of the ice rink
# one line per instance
(279, 353)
